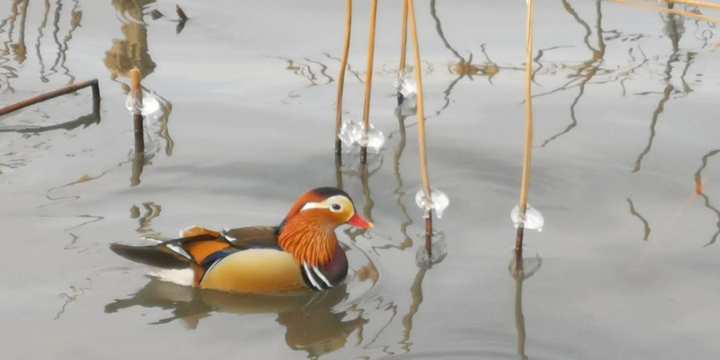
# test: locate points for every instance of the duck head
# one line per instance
(308, 231)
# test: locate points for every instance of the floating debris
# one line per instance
(156, 14)
(352, 136)
(182, 19)
(439, 201)
(533, 218)
(150, 104)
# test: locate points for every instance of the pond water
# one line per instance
(624, 172)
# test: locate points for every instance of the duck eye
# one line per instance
(336, 207)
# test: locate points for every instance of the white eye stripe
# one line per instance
(313, 205)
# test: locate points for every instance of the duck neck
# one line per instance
(310, 240)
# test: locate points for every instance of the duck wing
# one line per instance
(198, 245)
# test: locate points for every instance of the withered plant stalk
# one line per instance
(697, 3)
(527, 153)
(369, 75)
(341, 78)
(421, 125)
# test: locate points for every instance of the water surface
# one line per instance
(624, 172)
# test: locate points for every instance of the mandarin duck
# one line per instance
(301, 253)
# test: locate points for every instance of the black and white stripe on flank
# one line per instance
(315, 277)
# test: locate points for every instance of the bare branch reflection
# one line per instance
(699, 190)
(646, 224)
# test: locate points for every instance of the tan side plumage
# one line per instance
(239, 272)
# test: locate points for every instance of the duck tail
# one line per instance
(153, 255)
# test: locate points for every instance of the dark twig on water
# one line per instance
(53, 94)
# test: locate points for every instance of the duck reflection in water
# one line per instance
(311, 323)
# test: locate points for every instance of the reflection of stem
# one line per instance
(700, 191)
(717, 224)
(519, 316)
(417, 298)
(447, 93)
(580, 21)
(438, 27)
(669, 10)
(138, 162)
(696, 3)
(20, 49)
(341, 77)
(634, 212)
(398, 190)
(590, 68)
(349, 67)
(152, 211)
(56, 30)
(338, 173)
(368, 76)
(74, 24)
(675, 42)
(527, 153)
(420, 108)
(39, 40)
(441, 34)
(365, 180)
(656, 114)
(403, 39)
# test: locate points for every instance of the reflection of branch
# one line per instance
(580, 21)
(74, 294)
(365, 179)
(76, 17)
(589, 68)
(349, 68)
(152, 211)
(646, 225)
(717, 224)
(668, 10)
(656, 114)
(674, 34)
(399, 193)
(438, 27)
(700, 191)
(39, 40)
(520, 317)
(56, 30)
(416, 294)
(323, 70)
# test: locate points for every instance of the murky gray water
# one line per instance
(624, 172)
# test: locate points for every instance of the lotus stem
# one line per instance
(527, 153)
(341, 78)
(697, 3)
(369, 75)
(421, 126)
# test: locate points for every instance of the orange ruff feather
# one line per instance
(310, 238)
